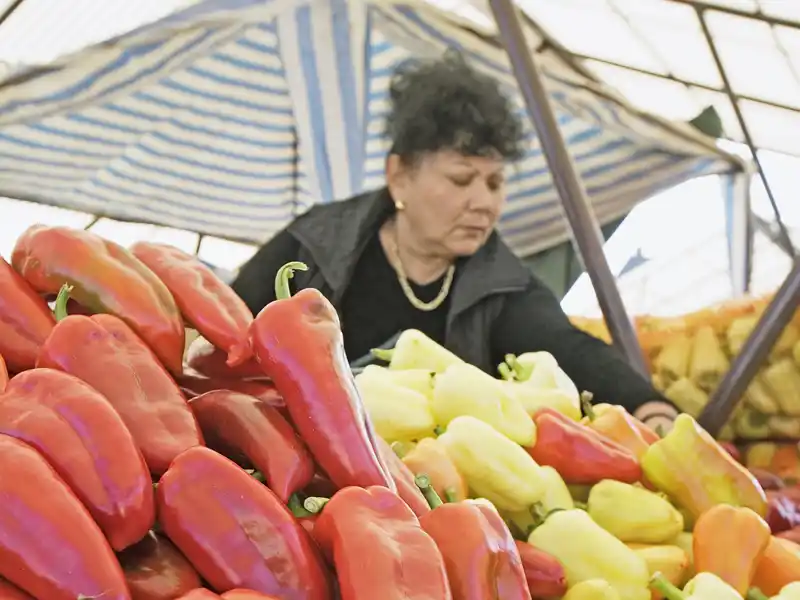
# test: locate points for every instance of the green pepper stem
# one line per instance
(756, 594)
(506, 373)
(665, 588)
(521, 372)
(296, 506)
(315, 504)
(285, 273)
(384, 354)
(258, 476)
(60, 310)
(424, 484)
(400, 449)
(450, 495)
(438, 430)
(586, 405)
(581, 505)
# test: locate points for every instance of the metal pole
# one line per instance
(585, 231)
(784, 233)
(753, 354)
(10, 9)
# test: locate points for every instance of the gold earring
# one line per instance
(399, 205)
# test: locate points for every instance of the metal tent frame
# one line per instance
(586, 232)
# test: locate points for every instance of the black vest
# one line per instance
(333, 237)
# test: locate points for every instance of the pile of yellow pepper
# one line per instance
(630, 515)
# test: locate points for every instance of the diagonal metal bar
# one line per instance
(687, 82)
(766, 228)
(712, 46)
(753, 353)
(10, 10)
(585, 231)
(737, 12)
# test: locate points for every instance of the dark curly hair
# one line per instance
(445, 104)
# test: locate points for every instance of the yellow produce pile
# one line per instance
(600, 506)
(690, 354)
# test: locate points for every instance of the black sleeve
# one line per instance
(255, 282)
(534, 321)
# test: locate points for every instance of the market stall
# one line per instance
(255, 464)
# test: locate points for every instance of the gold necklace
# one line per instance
(406, 286)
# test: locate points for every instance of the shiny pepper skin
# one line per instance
(235, 531)
(35, 499)
(75, 428)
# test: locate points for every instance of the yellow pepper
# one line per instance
(415, 350)
(697, 473)
(704, 586)
(633, 514)
(466, 390)
(789, 592)
(420, 380)
(685, 541)
(592, 589)
(587, 551)
(398, 413)
(532, 399)
(539, 382)
(556, 496)
(672, 562)
(494, 467)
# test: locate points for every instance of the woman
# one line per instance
(423, 252)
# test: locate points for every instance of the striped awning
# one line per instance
(234, 116)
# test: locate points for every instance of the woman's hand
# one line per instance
(658, 415)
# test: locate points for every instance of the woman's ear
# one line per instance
(395, 172)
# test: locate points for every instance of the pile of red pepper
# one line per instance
(247, 468)
(127, 474)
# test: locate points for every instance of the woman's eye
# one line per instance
(495, 185)
(461, 181)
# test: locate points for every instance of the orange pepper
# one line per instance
(429, 458)
(786, 462)
(729, 542)
(619, 425)
(778, 567)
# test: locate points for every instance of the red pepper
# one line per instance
(193, 384)
(105, 353)
(580, 454)
(156, 570)
(782, 512)
(247, 595)
(205, 301)
(259, 432)
(49, 544)
(3, 374)
(768, 481)
(320, 485)
(732, 450)
(9, 591)
(210, 361)
(545, 575)
(235, 531)
(75, 428)
(482, 560)
(792, 534)
(200, 594)
(298, 341)
(25, 320)
(107, 279)
(404, 479)
(379, 549)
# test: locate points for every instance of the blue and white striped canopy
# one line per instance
(234, 116)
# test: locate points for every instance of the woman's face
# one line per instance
(451, 202)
